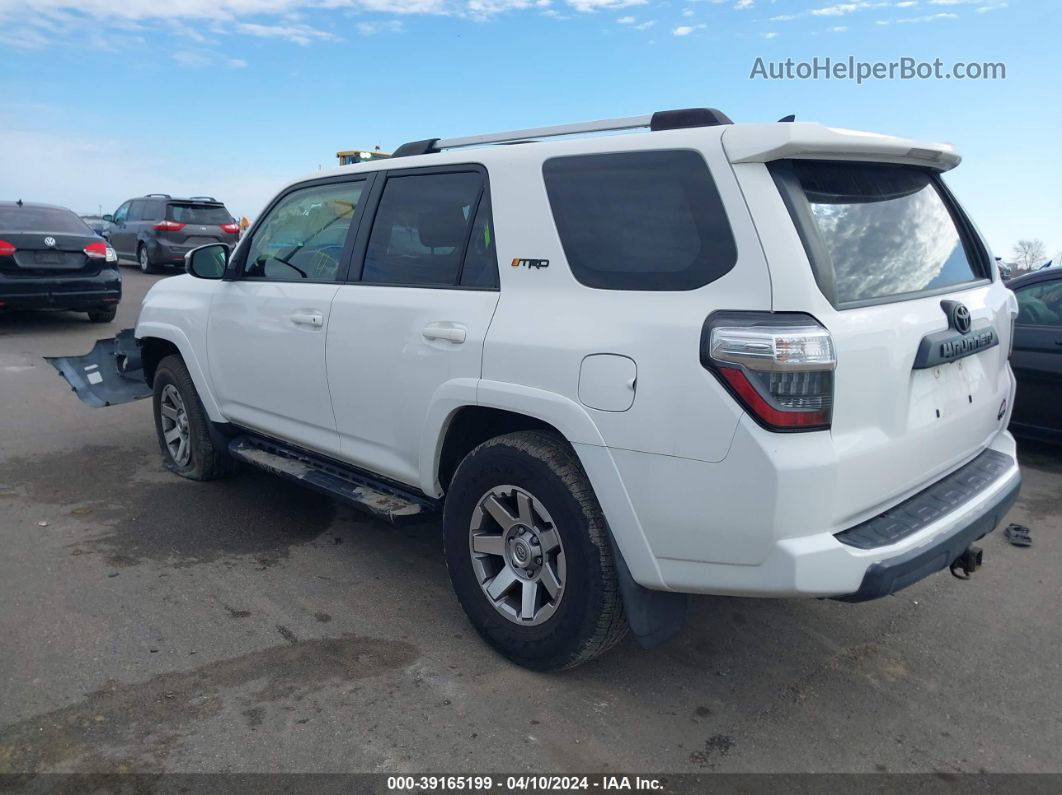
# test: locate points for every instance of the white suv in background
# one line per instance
(716, 358)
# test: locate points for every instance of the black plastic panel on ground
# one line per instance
(927, 506)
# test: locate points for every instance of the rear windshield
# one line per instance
(42, 219)
(876, 231)
(640, 220)
(198, 214)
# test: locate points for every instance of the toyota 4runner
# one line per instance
(706, 357)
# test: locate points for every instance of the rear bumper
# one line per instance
(893, 574)
(739, 528)
(61, 292)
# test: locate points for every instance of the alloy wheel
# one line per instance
(175, 431)
(517, 555)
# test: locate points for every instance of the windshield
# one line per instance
(198, 214)
(879, 230)
(42, 219)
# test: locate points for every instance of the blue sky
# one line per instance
(103, 100)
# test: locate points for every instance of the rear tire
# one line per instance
(102, 315)
(520, 510)
(143, 259)
(183, 427)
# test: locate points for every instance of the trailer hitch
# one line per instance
(967, 563)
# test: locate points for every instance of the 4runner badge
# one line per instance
(531, 263)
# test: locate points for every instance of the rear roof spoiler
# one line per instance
(762, 143)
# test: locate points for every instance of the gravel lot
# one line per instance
(152, 624)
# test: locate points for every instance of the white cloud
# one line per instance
(195, 59)
(685, 30)
(929, 18)
(298, 34)
(645, 25)
(625, 21)
(741, 5)
(837, 29)
(384, 26)
(587, 6)
(687, 12)
(770, 35)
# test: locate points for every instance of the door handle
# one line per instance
(440, 331)
(315, 319)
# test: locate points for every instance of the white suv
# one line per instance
(759, 360)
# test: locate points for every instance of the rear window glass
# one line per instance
(640, 220)
(198, 214)
(42, 219)
(882, 230)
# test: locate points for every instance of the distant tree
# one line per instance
(1029, 255)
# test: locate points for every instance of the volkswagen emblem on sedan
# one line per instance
(958, 315)
(50, 242)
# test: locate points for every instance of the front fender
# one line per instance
(196, 369)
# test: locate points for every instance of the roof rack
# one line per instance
(661, 120)
(159, 195)
(203, 198)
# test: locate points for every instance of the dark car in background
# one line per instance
(50, 259)
(1037, 356)
(158, 229)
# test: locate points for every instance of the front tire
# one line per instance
(183, 427)
(529, 555)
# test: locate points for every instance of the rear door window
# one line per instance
(422, 228)
(877, 232)
(640, 220)
(136, 210)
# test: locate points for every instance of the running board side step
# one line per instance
(380, 498)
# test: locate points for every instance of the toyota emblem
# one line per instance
(50, 242)
(961, 319)
(958, 315)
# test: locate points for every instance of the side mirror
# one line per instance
(207, 262)
(108, 218)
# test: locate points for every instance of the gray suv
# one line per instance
(158, 229)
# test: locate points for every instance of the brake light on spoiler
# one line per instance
(779, 366)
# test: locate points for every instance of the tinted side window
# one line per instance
(152, 210)
(1040, 304)
(421, 227)
(121, 214)
(304, 234)
(640, 220)
(136, 210)
(481, 262)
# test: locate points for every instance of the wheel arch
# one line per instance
(158, 340)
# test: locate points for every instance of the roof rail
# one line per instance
(203, 198)
(661, 120)
(159, 195)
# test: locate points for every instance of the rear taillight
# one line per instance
(778, 365)
(6, 249)
(168, 226)
(230, 229)
(101, 251)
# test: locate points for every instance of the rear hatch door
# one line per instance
(882, 255)
(195, 223)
